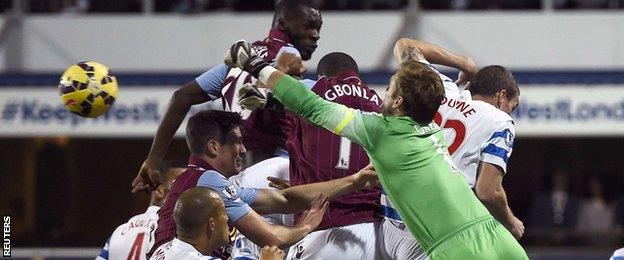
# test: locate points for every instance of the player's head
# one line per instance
(415, 91)
(200, 211)
(335, 63)
(216, 135)
(301, 21)
(169, 170)
(496, 85)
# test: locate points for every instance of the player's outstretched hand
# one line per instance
(366, 178)
(518, 228)
(463, 80)
(272, 253)
(148, 177)
(250, 97)
(313, 216)
(278, 183)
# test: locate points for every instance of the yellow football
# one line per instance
(88, 89)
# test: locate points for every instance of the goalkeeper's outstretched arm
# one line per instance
(361, 128)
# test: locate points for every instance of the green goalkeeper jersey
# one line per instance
(411, 160)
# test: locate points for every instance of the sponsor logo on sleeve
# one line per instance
(230, 192)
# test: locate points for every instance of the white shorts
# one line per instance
(356, 241)
(255, 176)
(398, 243)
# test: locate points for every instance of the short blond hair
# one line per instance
(421, 88)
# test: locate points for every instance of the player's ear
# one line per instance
(209, 227)
(503, 93)
(212, 148)
(501, 97)
(398, 103)
(281, 24)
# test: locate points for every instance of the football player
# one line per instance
(134, 238)
(296, 25)
(480, 133)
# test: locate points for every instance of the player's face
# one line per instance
(222, 233)
(304, 30)
(232, 152)
(390, 99)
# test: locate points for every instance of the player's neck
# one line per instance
(201, 244)
(216, 164)
(387, 111)
(489, 100)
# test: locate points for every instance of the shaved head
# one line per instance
(195, 208)
(335, 63)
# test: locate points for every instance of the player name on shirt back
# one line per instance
(139, 223)
(340, 90)
(464, 107)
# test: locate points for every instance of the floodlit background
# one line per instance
(65, 181)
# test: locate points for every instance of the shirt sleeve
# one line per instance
(449, 85)
(235, 205)
(359, 127)
(104, 252)
(248, 195)
(498, 148)
(211, 82)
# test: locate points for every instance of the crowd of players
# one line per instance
(313, 139)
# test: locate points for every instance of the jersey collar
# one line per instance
(195, 161)
(279, 36)
(183, 246)
(350, 74)
(421, 130)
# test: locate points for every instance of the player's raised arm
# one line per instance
(411, 49)
(361, 128)
(198, 91)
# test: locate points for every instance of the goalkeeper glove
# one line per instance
(242, 55)
(250, 97)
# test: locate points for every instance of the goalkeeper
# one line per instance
(409, 154)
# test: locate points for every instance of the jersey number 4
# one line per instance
(135, 251)
(457, 126)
